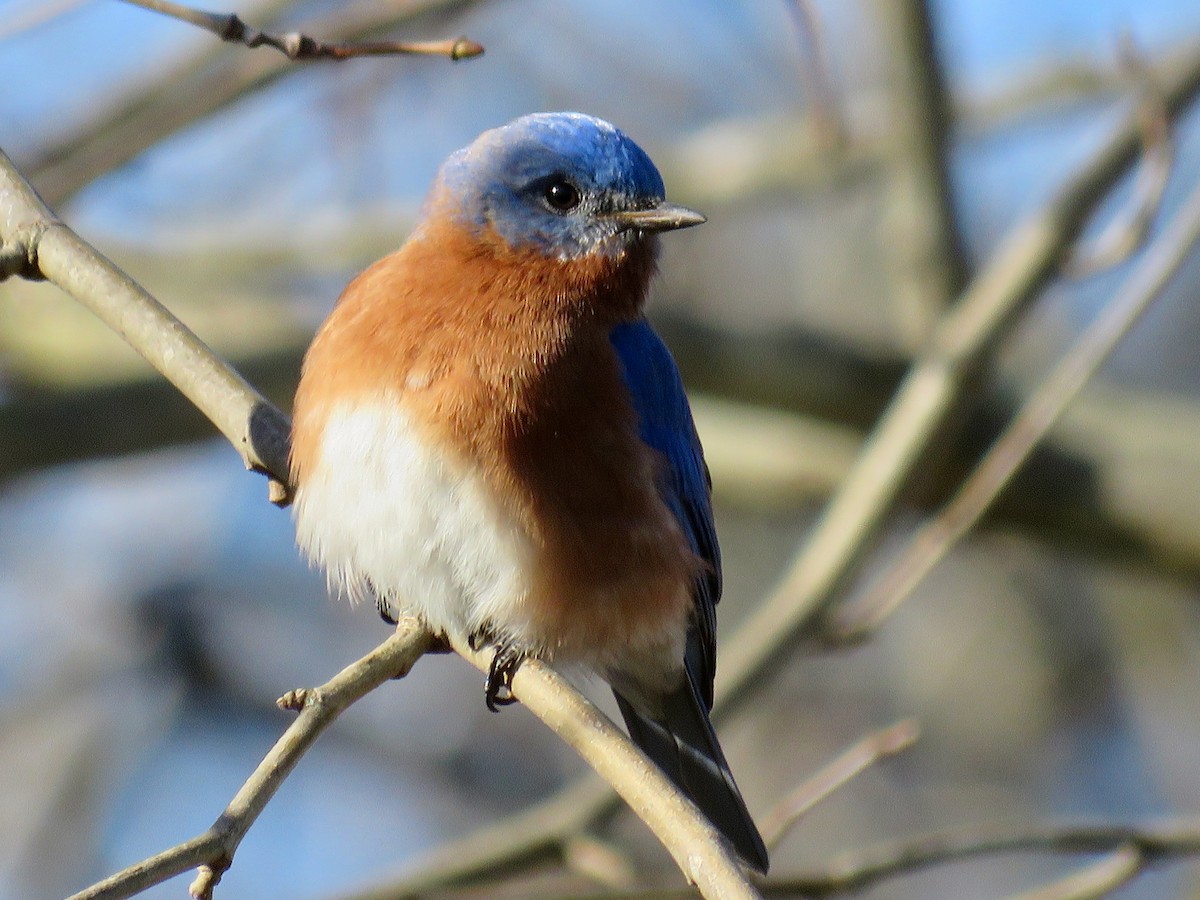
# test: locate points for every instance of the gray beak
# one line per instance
(664, 217)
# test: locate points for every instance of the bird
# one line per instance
(489, 435)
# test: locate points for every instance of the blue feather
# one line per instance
(665, 424)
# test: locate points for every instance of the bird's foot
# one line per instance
(385, 611)
(497, 687)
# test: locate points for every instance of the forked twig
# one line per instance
(1128, 232)
(213, 850)
(1036, 418)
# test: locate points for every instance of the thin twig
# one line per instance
(200, 86)
(697, 848)
(860, 870)
(213, 850)
(1101, 877)
(853, 761)
(37, 245)
(296, 46)
(815, 72)
(1039, 414)
(535, 836)
(1128, 232)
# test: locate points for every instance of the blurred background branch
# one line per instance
(296, 46)
(317, 708)
(1048, 657)
(198, 87)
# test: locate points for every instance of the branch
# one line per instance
(213, 850)
(34, 244)
(855, 760)
(200, 87)
(922, 241)
(1039, 414)
(297, 46)
(963, 343)
(859, 871)
(1126, 233)
(697, 848)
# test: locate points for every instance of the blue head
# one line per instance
(565, 184)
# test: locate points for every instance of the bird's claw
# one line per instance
(497, 687)
(385, 610)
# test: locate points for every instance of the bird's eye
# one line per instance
(561, 195)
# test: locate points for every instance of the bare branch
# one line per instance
(213, 850)
(1128, 232)
(860, 870)
(1035, 419)
(921, 238)
(297, 46)
(196, 89)
(533, 836)
(35, 244)
(1106, 874)
(963, 343)
(815, 70)
(858, 758)
(697, 848)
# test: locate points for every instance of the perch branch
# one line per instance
(297, 46)
(213, 850)
(697, 848)
(1039, 414)
(36, 245)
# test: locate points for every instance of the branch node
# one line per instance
(294, 701)
(208, 876)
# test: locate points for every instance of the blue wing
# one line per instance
(665, 423)
(679, 736)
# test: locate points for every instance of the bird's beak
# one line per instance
(664, 217)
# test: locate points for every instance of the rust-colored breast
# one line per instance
(502, 357)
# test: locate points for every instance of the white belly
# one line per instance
(385, 513)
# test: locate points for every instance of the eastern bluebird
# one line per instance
(489, 435)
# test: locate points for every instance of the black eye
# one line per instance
(561, 195)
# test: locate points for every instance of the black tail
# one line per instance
(685, 747)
